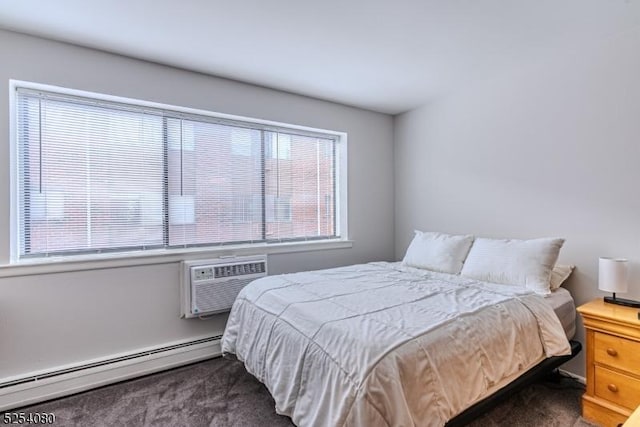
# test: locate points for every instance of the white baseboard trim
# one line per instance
(578, 378)
(39, 390)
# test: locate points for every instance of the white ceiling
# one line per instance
(387, 56)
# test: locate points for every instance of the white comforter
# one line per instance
(384, 345)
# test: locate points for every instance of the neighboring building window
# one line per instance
(278, 208)
(247, 209)
(181, 135)
(244, 141)
(278, 146)
(97, 176)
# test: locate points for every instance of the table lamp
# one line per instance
(613, 276)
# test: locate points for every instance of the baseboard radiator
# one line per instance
(26, 390)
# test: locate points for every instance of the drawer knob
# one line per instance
(612, 352)
(613, 388)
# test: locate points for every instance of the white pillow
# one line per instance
(438, 252)
(517, 262)
(559, 274)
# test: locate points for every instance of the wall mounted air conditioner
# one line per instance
(211, 286)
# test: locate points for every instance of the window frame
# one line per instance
(182, 113)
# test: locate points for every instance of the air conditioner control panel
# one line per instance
(203, 273)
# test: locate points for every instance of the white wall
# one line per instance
(550, 147)
(55, 319)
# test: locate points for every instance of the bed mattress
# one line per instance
(382, 344)
(565, 308)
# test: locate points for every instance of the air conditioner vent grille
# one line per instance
(239, 269)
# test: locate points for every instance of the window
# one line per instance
(278, 208)
(98, 175)
(278, 146)
(247, 208)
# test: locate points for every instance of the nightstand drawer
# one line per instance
(620, 389)
(616, 352)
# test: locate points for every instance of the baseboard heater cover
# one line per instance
(201, 348)
(105, 362)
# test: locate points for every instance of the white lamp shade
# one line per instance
(613, 275)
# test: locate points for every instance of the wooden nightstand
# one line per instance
(613, 362)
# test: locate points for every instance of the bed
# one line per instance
(389, 344)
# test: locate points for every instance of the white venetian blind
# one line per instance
(300, 186)
(215, 183)
(97, 176)
(90, 176)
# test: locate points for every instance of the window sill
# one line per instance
(132, 259)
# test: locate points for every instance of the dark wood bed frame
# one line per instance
(534, 374)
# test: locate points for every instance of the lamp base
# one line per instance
(622, 301)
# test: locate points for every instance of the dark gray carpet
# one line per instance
(220, 392)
